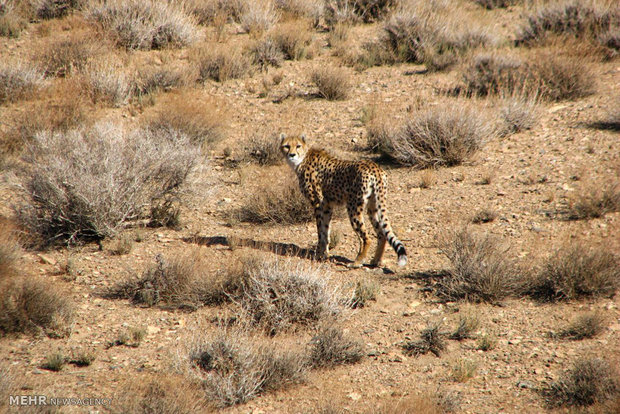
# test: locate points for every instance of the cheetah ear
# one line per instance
(303, 138)
(282, 137)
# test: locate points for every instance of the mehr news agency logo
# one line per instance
(44, 400)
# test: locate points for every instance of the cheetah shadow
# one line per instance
(281, 249)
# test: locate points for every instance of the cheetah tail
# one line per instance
(391, 238)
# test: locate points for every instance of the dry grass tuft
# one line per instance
(179, 282)
(277, 295)
(54, 362)
(467, 325)
(67, 56)
(519, 113)
(589, 381)
(131, 337)
(332, 83)
(33, 305)
(190, 113)
(262, 149)
(88, 183)
(432, 339)
(221, 63)
(235, 368)
(545, 75)
(594, 202)
(144, 24)
(280, 204)
(591, 20)
(258, 16)
(109, 84)
(293, 40)
(12, 21)
(53, 9)
(351, 11)
(576, 273)
(479, 271)
(152, 80)
(364, 292)
(463, 370)
(18, 81)
(330, 347)
(265, 53)
(441, 136)
(484, 216)
(10, 250)
(158, 393)
(585, 325)
(497, 4)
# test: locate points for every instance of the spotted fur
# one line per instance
(361, 185)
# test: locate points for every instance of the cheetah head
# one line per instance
(294, 149)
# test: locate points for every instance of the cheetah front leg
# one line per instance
(323, 215)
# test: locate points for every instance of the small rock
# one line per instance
(152, 330)
(525, 384)
(354, 396)
(46, 259)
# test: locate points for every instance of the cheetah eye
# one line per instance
(286, 147)
(298, 146)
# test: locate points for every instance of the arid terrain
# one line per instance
(154, 249)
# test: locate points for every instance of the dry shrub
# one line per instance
(293, 39)
(12, 22)
(496, 4)
(10, 250)
(281, 204)
(18, 81)
(131, 337)
(7, 385)
(258, 16)
(66, 56)
(34, 305)
(432, 339)
(463, 369)
(144, 24)
(332, 82)
(585, 325)
(445, 135)
(263, 149)
(53, 9)
(214, 11)
(88, 183)
(484, 216)
(589, 381)
(277, 295)
(235, 368)
(330, 347)
(575, 273)
(221, 63)
(62, 107)
(420, 34)
(436, 402)
(467, 325)
(158, 393)
(591, 20)
(594, 202)
(152, 80)
(265, 53)
(519, 112)
(109, 84)
(309, 9)
(543, 75)
(351, 11)
(201, 120)
(179, 282)
(479, 271)
(363, 293)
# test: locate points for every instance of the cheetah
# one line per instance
(327, 181)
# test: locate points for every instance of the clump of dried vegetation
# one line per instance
(594, 21)
(467, 324)
(88, 183)
(262, 149)
(280, 204)
(66, 56)
(144, 24)
(331, 347)
(277, 295)
(18, 81)
(544, 75)
(593, 202)
(439, 136)
(364, 292)
(585, 325)
(201, 120)
(12, 19)
(28, 304)
(589, 381)
(109, 84)
(479, 271)
(158, 393)
(432, 339)
(332, 82)
(152, 80)
(519, 112)
(576, 272)
(352, 11)
(497, 4)
(221, 63)
(424, 33)
(293, 40)
(258, 16)
(234, 367)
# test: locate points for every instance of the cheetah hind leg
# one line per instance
(377, 261)
(323, 216)
(357, 222)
